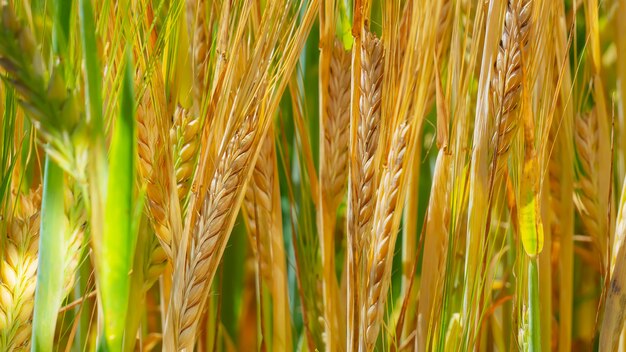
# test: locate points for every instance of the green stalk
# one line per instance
(534, 316)
(115, 262)
(52, 251)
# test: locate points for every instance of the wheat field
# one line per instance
(312, 175)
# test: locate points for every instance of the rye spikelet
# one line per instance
(18, 275)
(587, 198)
(186, 143)
(383, 236)
(508, 71)
(208, 235)
(337, 127)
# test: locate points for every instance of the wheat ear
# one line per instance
(506, 84)
(333, 178)
(75, 237)
(209, 236)
(380, 254)
(367, 136)
(337, 127)
(155, 167)
(262, 209)
(587, 198)
(363, 174)
(258, 205)
(18, 275)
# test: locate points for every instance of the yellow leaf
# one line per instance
(531, 228)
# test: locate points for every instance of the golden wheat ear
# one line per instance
(587, 198)
(337, 128)
(363, 174)
(380, 254)
(156, 168)
(508, 76)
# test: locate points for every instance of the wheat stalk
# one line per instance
(506, 84)
(383, 236)
(18, 275)
(435, 247)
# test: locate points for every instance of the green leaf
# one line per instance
(61, 29)
(119, 237)
(93, 85)
(52, 251)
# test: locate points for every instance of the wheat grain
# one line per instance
(508, 71)
(156, 263)
(18, 275)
